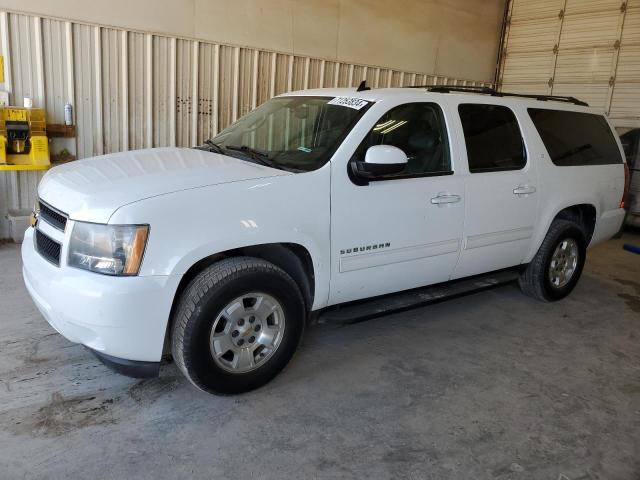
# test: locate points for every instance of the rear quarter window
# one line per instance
(576, 138)
(492, 137)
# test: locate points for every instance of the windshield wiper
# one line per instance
(213, 146)
(256, 155)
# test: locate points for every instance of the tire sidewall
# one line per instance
(570, 232)
(211, 376)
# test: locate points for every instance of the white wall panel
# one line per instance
(631, 32)
(625, 101)
(384, 78)
(184, 92)
(343, 75)
(523, 10)
(593, 93)
(529, 68)
(57, 84)
(589, 49)
(139, 98)
(592, 65)
(329, 78)
(298, 73)
(245, 80)
(358, 75)
(134, 89)
(163, 86)
(207, 78)
(87, 91)
(533, 34)
(592, 6)
(315, 76)
(590, 30)
(282, 73)
(225, 86)
(266, 75)
(23, 46)
(113, 91)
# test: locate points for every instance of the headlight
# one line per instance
(107, 249)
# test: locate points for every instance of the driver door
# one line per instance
(402, 231)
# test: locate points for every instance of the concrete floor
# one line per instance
(492, 385)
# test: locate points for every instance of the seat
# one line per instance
(424, 151)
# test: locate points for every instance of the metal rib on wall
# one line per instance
(589, 49)
(135, 90)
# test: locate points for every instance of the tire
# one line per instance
(536, 281)
(202, 330)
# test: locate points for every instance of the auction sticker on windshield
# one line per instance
(355, 103)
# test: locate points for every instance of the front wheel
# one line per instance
(555, 270)
(237, 324)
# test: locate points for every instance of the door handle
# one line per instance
(524, 190)
(444, 198)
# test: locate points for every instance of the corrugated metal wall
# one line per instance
(589, 49)
(135, 90)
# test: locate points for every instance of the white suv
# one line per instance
(316, 198)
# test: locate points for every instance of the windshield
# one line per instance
(296, 133)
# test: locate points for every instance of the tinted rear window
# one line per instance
(492, 137)
(576, 138)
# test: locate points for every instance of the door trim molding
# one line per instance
(494, 238)
(398, 255)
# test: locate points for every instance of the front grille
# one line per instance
(48, 248)
(53, 217)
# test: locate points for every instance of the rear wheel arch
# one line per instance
(555, 260)
(583, 214)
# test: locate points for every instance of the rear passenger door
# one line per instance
(500, 188)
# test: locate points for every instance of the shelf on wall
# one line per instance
(58, 130)
(57, 159)
(17, 168)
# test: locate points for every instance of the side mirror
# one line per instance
(381, 160)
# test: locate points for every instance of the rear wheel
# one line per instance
(555, 270)
(237, 325)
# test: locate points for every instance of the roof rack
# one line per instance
(494, 93)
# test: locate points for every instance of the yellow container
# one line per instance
(31, 152)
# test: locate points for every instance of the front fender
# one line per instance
(190, 225)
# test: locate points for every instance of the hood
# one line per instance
(93, 188)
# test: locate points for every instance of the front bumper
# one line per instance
(130, 368)
(119, 318)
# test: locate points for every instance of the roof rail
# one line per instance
(494, 93)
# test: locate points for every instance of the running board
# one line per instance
(359, 311)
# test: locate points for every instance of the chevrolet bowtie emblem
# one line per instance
(33, 220)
